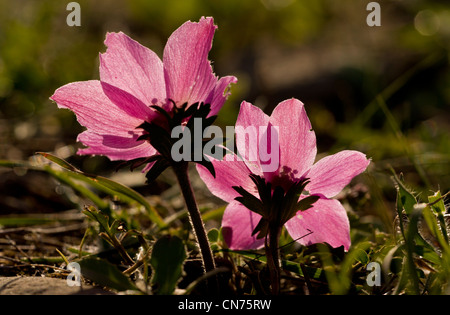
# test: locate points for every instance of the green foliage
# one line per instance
(424, 241)
(168, 256)
(106, 274)
(72, 177)
(106, 185)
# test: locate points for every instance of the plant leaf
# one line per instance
(437, 205)
(168, 256)
(105, 274)
(98, 216)
(59, 161)
(405, 198)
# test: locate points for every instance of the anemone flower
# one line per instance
(134, 81)
(297, 193)
(129, 112)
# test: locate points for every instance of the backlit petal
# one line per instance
(250, 122)
(129, 104)
(187, 70)
(238, 224)
(133, 68)
(114, 147)
(332, 173)
(325, 222)
(229, 173)
(219, 94)
(94, 109)
(297, 140)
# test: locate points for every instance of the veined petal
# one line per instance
(250, 122)
(219, 94)
(187, 70)
(332, 173)
(129, 103)
(114, 147)
(229, 172)
(133, 68)
(297, 140)
(325, 222)
(238, 224)
(94, 109)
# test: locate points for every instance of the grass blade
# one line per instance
(112, 186)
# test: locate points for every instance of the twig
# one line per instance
(13, 243)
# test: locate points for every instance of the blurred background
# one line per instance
(382, 90)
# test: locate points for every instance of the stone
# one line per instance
(45, 286)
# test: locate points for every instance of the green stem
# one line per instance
(181, 172)
(112, 239)
(273, 257)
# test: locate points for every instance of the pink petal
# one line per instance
(114, 147)
(219, 94)
(270, 152)
(95, 110)
(187, 70)
(238, 224)
(129, 104)
(250, 122)
(133, 68)
(297, 140)
(325, 222)
(332, 173)
(232, 172)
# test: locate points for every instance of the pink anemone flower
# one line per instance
(134, 80)
(297, 186)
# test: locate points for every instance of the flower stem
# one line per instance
(273, 257)
(181, 172)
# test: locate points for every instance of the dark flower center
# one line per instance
(158, 133)
(275, 204)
